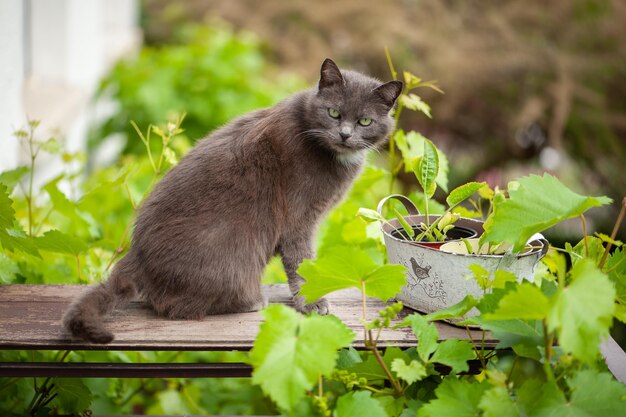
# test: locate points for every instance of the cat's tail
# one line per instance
(83, 319)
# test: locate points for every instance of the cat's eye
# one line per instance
(365, 121)
(333, 113)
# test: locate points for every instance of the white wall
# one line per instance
(67, 45)
(11, 77)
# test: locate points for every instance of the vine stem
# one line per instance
(548, 350)
(320, 389)
(584, 223)
(396, 386)
(616, 227)
(370, 343)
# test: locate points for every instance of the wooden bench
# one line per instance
(30, 320)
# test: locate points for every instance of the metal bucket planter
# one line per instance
(436, 279)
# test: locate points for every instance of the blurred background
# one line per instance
(529, 86)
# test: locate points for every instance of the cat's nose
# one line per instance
(345, 133)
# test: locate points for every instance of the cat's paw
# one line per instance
(321, 306)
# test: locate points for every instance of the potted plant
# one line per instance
(441, 252)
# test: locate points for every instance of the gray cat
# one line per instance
(254, 188)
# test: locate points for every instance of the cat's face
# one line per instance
(350, 112)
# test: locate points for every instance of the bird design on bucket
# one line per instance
(419, 275)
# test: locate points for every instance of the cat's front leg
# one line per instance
(293, 252)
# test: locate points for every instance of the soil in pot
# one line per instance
(456, 233)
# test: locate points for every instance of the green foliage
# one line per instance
(582, 328)
(357, 404)
(345, 267)
(455, 398)
(535, 203)
(212, 73)
(291, 352)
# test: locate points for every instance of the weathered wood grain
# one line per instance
(30, 319)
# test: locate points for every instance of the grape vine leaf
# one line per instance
(12, 177)
(583, 312)
(411, 372)
(73, 394)
(496, 402)
(455, 398)
(59, 242)
(597, 394)
(616, 267)
(291, 351)
(345, 267)
(538, 203)
(454, 311)
(540, 399)
(454, 353)
(358, 404)
(7, 214)
(12, 237)
(426, 334)
(593, 394)
(8, 269)
(526, 302)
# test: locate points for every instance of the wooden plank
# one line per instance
(30, 319)
(615, 358)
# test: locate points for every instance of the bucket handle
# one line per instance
(408, 204)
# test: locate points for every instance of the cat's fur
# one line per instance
(254, 188)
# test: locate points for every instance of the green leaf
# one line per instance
(72, 394)
(426, 334)
(616, 269)
(59, 242)
(454, 311)
(369, 369)
(405, 225)
(8, 269)
(12, 178)
(15, 239)
(7, 214)
(496, 402)
(344, 267)
(510, 333)
(411, 145)
(537, 204)
(596, 394)
(12, 237)
(582, 313)
(370, 215)
(526, 302)
(454, 353)
(358, 404)
(410, 373)
(455, 398)
(52, 146)
(64, 206)
(463, 192)
(291, 351)
(593, 394)
(415, 103)
(541, 399)
(347, 358)
(427, 169)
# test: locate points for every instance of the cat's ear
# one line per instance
(330, 75)
(389, 92)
